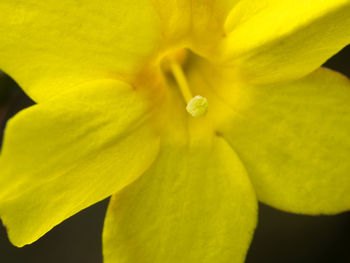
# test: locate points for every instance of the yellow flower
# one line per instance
(113, 80)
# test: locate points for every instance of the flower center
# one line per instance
(196, 105)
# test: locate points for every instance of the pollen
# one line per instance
(197, 106)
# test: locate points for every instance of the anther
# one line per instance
(197, 106)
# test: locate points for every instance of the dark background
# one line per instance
(280, 237)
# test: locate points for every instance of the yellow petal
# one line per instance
(50, 46)
(195, 204)
(274, 40)
(294, 142)
(189, 23)
(63, 155)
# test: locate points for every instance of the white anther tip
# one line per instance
(197, 106)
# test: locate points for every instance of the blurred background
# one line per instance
(280, 237)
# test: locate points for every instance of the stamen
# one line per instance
(196, 106)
